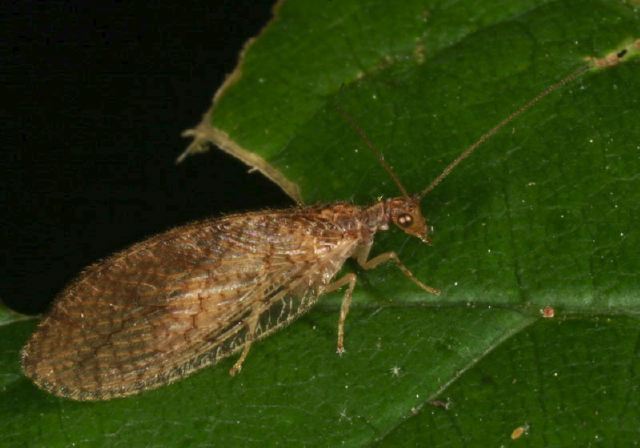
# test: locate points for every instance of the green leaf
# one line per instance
(551, 379)
(8, 317)
(9, 371)
(544, 214)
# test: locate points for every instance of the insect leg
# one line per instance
(392, 256)
(349, 279)
(252, 323)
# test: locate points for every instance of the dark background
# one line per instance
(94, 98)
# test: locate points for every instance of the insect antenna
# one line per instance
(376, 152)
(491, 132)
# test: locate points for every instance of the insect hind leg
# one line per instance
(350, 280)
(252, 324)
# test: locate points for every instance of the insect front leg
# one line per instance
(391, 256)
(348, 279)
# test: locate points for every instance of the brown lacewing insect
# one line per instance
(191, 296)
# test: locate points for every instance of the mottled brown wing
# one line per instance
(176, 302)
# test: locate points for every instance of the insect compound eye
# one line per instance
(405, 220)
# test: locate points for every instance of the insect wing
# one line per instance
(172, 304)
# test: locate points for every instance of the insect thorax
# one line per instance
(366, 221)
